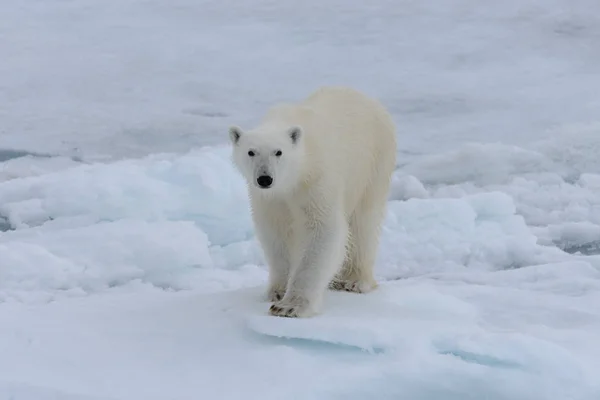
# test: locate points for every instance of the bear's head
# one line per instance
(269, 158)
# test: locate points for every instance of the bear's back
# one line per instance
(350, 138)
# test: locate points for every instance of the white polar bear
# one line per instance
(318, 176)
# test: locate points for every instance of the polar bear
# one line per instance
(318, 175)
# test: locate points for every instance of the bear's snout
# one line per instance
(264, 181)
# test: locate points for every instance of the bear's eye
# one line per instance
(251, 153)
(278, 153)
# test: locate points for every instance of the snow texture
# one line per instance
(129, 268)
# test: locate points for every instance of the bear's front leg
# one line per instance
(278, 272)
(272, 221)
(320, 253)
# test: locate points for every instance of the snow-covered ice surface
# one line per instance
(128, 264)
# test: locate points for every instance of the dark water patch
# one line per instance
(11, 154)
(8, 154)
(586, 249)
(5, 226)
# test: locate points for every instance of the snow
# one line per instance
(129, 268)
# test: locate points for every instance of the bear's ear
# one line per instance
(295, 132)
(235, 132)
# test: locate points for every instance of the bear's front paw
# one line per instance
(354, 286)
(297, 307)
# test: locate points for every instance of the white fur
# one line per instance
(319, 221)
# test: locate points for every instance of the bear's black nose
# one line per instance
(264, 181)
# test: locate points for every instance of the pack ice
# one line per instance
(129, 269)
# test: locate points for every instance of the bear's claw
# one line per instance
(292, 307)
(289, 312)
